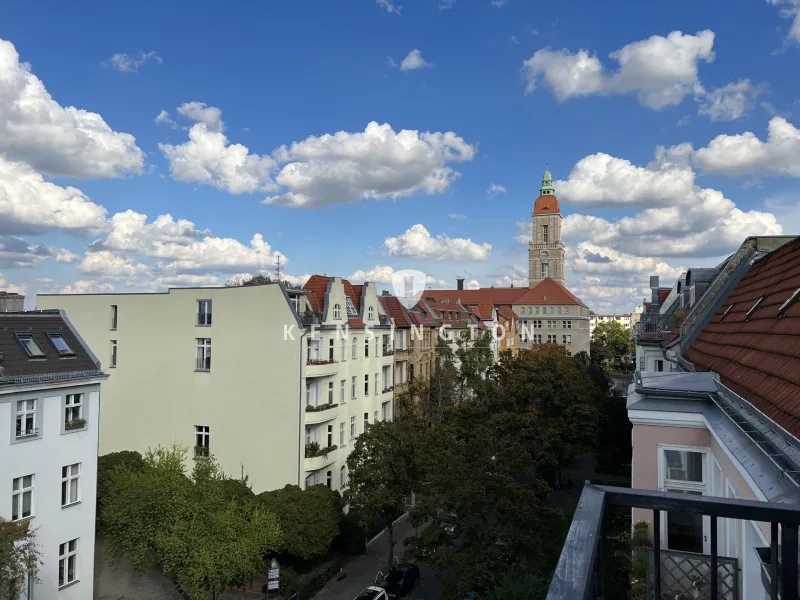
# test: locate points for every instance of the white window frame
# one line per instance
(202, 438)
(205, 311)
(375, 417)
(331, 350)
(342, 478)
(354, 388)
(114, 316)
(545, 270)
(693, 486)
(73, 404)
(330, 392)
(366, 347)
(342, 394)
(22, 416)
(352, 428)
(341, 434)
(351, 309)
(70, 473)
(371, 313)
(366, 384)
(342, 350)
(203, 355)
(377, 391)
(566, 324)
(65, 554)
(113, 364)
(18, 492)
(366, 421)
(337, 311)
(354, 350)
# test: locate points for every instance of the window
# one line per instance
(341, 434)
(353, 390)
(310, 396)
(385, 407)
(552, 339)
(62, 347)
(113, 353)
(73, 411)
(330, 392)
(353, 353)
(341, 392)
(566, 324)
(569, 339)
(552, 309)
(330, 349)
(370, 313)
(337, 311)
(26, 418)
(530, 310)
(566, 310)
(330, 436)
(544, 234)
(341, 350)
(375, 417)
(551, 324)
(351, 310)
(352, 427)
(328, 479)
(342, 478)
(202, 440)
(366, 347)
(366, 421)
(683, 473)
(537, 338)
(545, 270)
(559, 310)
(68, 562)
(377, 391)
(114, 316)
(22, 498)
(204, 312)
(537, 324)
(366, 385)
(659, 365)
(70, 478)
(30, 345)
(203, 354)
(564, 340)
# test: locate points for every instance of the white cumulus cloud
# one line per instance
(131, 63)
(53, 139)
(417, 242)
(414, 61)
(388, 6)
(790, 9)
(495, 189)
(728, 102)
(382, 274)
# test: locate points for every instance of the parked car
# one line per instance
(400, 580)
(372, 593)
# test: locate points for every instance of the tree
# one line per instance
(309, 518)
(107, 466)
(19, 557)
(383, 472)
(609, 340)
(202, 538)
(247, 279)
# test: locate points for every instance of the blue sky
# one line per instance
(487, 91)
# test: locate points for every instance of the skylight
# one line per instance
(351, 310)
(788, 302)
(755, 306)
(30, 346)
(61, 344)
(725, 314)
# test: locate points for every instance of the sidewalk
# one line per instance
(361, 571)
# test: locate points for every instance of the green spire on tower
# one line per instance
(547, 188)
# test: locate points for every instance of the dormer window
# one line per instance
(30, 345)
(337, 311)
(61, 344)
(371, 313)
(755, 306)
(351, 310)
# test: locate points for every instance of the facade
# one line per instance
(724, 419)
(49, 415)
(10, 301)
(546, 250)
(624, 320)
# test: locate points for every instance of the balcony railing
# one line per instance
(201, 452)
(653, 327)
(583, 568)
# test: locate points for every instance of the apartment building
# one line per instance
(622, 319)
(455, 322)
(274, 382)
(725, 421)
(49, 410)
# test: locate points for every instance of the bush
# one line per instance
(237, 490)
(352, 538)
(310, 583)
(107, 465)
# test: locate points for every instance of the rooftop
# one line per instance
(549, 291)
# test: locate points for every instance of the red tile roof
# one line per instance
(420, 318)
(506, 312)
(548, 291)
(499, 295)
(546, 204)
(662, 295)
(317, 285)
(483, 310)
(759, 357)
(396, 310)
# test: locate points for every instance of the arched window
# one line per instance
(337, 311)
(371, 313)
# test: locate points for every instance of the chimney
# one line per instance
(459, 283)
(654, 293)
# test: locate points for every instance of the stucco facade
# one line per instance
(566, 325)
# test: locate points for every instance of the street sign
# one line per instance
(272, 585)
(274, 574)
(274, 564)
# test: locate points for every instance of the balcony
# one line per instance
(321, 413)
(318, 458)
(653, 327)
(320, 367)
(583, 567)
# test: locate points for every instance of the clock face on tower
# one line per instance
(544, 255)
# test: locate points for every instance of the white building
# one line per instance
(49, 409)
(252, 375)
(623, 319)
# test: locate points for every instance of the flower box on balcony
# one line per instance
(313, 450)
(389, 389)
(388, 352)
(319, 361)
(75, 424)
(319, 408)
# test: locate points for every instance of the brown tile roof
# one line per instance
(548, 291)
(546, 204)
(759, 357)
(317, 285)
(483, 310)
(662, 295)
(396, 310)
(499, 295)
(420, 318)
(506, 312)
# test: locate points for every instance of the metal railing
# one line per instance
(653, 327)
(582, 571)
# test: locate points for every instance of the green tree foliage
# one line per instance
(107, 466)
(206, 541)
(677, 317)
(383, 471)
(309, 518)
(521, 586)
(475, 357)
(19, 557)
(609, 340)
(238, 280)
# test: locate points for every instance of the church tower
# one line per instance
(546, 250)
